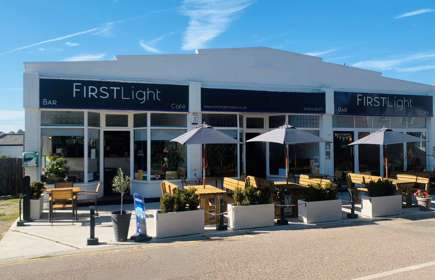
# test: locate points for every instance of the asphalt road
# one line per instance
(400, 249)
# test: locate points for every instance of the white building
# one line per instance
(101, 115)
(11, 145)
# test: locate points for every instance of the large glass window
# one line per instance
(222, 158)
(140, 120)
(93, 155)
(307, 121)
(62, 118)
(94, 119)
(220, 120)
(169, 120)
(277, 159)
(368, 157)
(168, 159)
(254, 122)
(343, 153)
(276, 121)
(62, 154)
(140, 154)
(117, 120)
(394, 155)
(416, 152)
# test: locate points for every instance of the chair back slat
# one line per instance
(62, 194)
(257, 182)
(232, 184)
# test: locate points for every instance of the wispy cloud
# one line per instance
(86, 57)
(399, 64)
(11, 120)
(415, 13)
(150, 45)
(208, 19)
(72, 44)
(322, 53)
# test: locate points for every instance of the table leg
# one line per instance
(204, 205)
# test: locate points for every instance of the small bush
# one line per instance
(239, 196)
(191, 199)
(37, 188)
(179, 200)
(318, 193)
(381, 188)
(167, 203)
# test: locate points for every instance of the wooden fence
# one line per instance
(11, 173)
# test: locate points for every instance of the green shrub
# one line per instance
(191, 199)
(120, 184)
(239, 196)
(37, 188)
(318, 193)
(181, 200)
(381, 188)
(167, 203)
(56, 168)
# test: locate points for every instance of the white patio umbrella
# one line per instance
(384, 137)
(204, 134)
(287, 135)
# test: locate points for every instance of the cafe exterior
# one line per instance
(122, 113)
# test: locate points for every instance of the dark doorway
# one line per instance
(343, 153)
(255, 157)
(116, 155)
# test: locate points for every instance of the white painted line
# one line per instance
(396, 271)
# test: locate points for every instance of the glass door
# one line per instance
(343, 153)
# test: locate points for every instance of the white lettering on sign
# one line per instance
(394, 102)
(104, 92)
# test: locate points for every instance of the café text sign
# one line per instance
(86, 94)
(375, 104)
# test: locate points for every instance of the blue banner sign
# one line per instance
(139, 208)
(236, 100)
(87, 94)
(376, 104)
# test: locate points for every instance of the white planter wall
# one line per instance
(381, 206)
(36, 208)
(250, 216)
(161, 225)
(319, 211)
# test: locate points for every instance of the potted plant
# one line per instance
(56, 169)
(36, 203)
(423, 200)
(382, 200)
(178, 215)
(252, 208)
(121, 219)
(319, 204)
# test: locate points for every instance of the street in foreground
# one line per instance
(396, 249)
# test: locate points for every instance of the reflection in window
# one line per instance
(276, 121)
(168, 159)
(220, 120)
(94, 119)
(169, 120)
(140, 120)
(222, 158)
(67, 144)
(416, 153)
(140, 154)
(117, 120)
(62, 118)
(94, 155)
(308, 121)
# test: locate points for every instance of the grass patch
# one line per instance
(8, 214)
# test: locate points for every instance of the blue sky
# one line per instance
(395, 37)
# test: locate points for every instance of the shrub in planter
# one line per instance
(121, 219)
(36, 203)
(56, 169)
(252, 208)
(383, 200)
(178, 215)
(320, 204)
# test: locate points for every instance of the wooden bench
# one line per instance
(231, 184)
(257, 182)
(305, 180)
(168, 187)
(418, 181)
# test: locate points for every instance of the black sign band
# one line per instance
(375, 104)
(235, 100)
(86, 94)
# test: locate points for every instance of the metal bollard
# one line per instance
(92, 240)
(20, 221)
(352, 214)
(220, 225)
(282, 220)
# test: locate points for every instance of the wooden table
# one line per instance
(207, 193)
(75, 190)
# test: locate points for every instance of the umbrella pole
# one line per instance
(203, 164)
(287, 164)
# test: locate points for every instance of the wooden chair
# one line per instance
(62, 199)
(167, 187)
(417, 180)
(257, 182)
(94, 196)
(63, 185)
(231, 184)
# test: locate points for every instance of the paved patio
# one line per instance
(41, 238)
